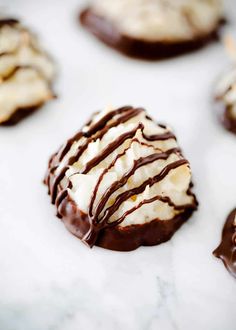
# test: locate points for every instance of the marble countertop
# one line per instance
(48, 279)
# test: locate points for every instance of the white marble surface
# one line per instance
(48, 279)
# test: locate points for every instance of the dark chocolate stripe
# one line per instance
(104, 120)
(129, 115)
(135, 191)
(120, 183)
(110, 148)
(164, 199)
(68, 145)
(60, 197)
(160, 137)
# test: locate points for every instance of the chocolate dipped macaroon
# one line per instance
(154, 29)
(26, 72)
(122, 181)
(226, 251)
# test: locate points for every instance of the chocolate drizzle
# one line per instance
(226, 251)
(96, 223)
(104, 30)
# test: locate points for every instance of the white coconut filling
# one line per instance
(226, 91)
(161, 20)
(26, 88)
(118, 163)
(26, 72)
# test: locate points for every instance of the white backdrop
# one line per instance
(48, 279)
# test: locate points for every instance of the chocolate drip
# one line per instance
(226, 251)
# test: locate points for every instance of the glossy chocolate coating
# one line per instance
(226, 251)
(121, 238)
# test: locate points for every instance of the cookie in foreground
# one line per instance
(26, 72)
(122, 181)
(154, 29)
(226, 251)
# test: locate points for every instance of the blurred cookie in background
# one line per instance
(154, 29)
(26, 72)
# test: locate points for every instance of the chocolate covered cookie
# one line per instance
(122, 181)
(26, 72)
(154, 29)
(226, 251)
(226, 93)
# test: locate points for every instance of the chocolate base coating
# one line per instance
(8, 21)
(20, 114)
(224, 116)
(137, 48)
(121, 238)
(226, 251)
(229, 122)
